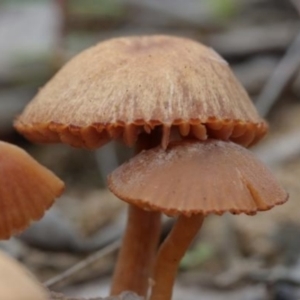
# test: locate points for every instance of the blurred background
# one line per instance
(234, 257)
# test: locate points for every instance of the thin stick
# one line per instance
(58, 296)
(59, 53)
(134, 265)
(90, 260)
(170, 254)
(281, 76)
(296, 3)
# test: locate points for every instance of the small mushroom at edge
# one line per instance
(27, 190)
(16, 283)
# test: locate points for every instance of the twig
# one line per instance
(256, 39)
(69, 273)
(281, 76)
(276, 151)
(254, 73)
(296, 4)
(123, 296)
(58, 296)
(59, 53)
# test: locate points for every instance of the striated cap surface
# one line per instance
(124, 86)
(27, 190)
(197, 177)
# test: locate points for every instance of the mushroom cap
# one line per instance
(125, 86)
(193, 177)
(27, 190)
(18, 284)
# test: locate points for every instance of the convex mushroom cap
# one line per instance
(193, 177)
(125, 86)
(27, 190)
(18, 284)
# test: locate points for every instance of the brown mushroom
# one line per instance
(16, 283)
(126, 86)
(190, 180)
(138, 90)
(27, 190)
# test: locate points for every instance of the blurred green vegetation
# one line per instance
(224, 9)
(109, 8)
(196, 256)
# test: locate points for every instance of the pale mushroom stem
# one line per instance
(136, 257)
(170, 254)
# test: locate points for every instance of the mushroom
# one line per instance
(143, 91)
(190, 180)
(27, 190)
(16, 283)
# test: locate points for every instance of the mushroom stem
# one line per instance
(170, 254)
(136, 257)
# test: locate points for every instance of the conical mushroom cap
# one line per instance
(125, 86)
(197, 177)
(27, 190)
(18, 284)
